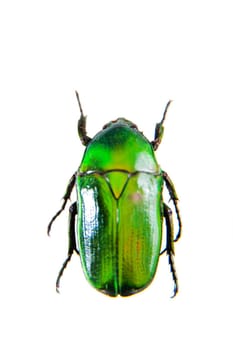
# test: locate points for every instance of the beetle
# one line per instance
(115, 225)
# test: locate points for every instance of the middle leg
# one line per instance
(173, 195)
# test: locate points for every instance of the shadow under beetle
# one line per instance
(116, 223)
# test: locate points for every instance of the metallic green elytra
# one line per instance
(116, 223)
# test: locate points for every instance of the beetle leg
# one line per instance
(72, 242)
(159, 129)
(170, 245)
(82, 132)
(65, 198)
(174, 198)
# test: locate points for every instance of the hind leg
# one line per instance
(170, 245)
(72, 242)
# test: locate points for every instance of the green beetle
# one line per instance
(116, 223)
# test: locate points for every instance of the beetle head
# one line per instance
(120, 121)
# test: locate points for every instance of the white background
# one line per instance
(126, 59)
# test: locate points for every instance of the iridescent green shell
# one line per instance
(119, 229)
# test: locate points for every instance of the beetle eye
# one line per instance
(134, 126)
